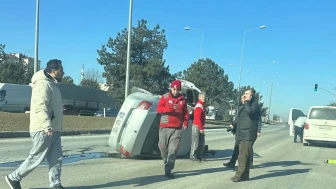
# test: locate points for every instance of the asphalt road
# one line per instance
(279, 163)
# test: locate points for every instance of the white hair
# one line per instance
(202, 94)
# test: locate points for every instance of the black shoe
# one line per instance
(237, 179)
(169, 175)
(58, 187)
(12, 183)
(229, 165)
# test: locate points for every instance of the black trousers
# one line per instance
(298, 131)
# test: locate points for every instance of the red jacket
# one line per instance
(169, 117)
(199, 115)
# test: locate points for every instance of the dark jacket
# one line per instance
(259, 124)
(247, 121)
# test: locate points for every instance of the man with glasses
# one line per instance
(174, 117)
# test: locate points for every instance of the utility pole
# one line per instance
(269, 106)
(36, 35)
(128, 49)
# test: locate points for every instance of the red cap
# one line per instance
(176, 84)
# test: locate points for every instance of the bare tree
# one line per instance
(93, 75)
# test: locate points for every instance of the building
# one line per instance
(104, 87)
(19, 57)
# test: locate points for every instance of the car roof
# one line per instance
(333, 107)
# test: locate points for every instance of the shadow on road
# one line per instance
(279, 173)
(147, 180)
(220, 155)
(280, 163)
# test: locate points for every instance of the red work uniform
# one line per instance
(197, 138)
(171, 124)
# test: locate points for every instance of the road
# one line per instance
(279, 163)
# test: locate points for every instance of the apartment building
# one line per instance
(17, 57)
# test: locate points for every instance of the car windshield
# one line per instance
(323, 113)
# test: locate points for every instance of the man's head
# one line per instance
(55, 69)
(249, 93)
(201, 96)
(175, 87)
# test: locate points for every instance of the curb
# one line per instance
(22, 134)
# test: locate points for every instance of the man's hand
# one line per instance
(259, 134)
(202, 131)
(231, 126)
(49, 133)
(184, 127)
(175, 106)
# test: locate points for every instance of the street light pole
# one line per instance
(241, 62)
(36, 35)
(202, 44)
(270, 101)
(128, 49)
(188, 28)
(269, 106)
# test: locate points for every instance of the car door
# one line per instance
(294, 113)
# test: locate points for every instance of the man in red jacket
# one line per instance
(174, 117)
(197, 136)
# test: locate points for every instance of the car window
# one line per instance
(323, 113)
(2, 95)
(296, 114)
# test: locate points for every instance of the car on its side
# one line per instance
(135, 131)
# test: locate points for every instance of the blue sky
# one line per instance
(299, 36)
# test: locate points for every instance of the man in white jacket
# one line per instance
(299, 126)
(46, 124)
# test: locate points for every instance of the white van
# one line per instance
(294, 113)
(320, 125)
(15, 97)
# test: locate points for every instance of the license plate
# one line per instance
(115, 129)
(325, 127)
(118, 122)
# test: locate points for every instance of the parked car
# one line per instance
(320, 125)
(135, 131)
(70, 110)
(109, 112)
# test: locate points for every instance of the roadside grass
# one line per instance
(20, 122)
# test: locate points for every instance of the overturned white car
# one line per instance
(136, 128)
